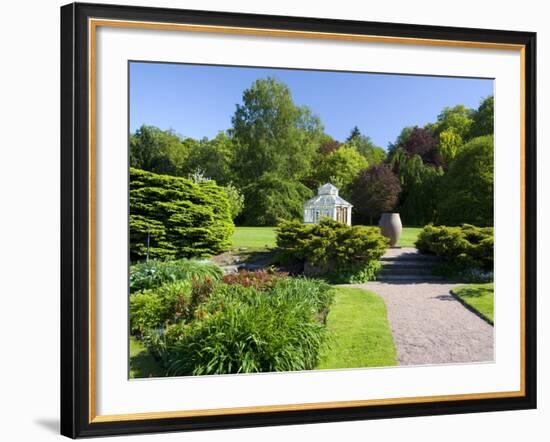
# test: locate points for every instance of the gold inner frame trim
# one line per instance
(93, 24)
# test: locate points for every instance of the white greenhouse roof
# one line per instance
(327, 196)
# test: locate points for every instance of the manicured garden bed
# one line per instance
(360, 332)
(479, 297)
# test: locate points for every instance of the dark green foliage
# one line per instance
(464, 247)
(159, 151)
(270, 199)
(483, 119)
(213, 157)
(153, 274)
(364, 145)
(180, 217)
(374, 191)
(330, 246)
(466, 193)
(419, 182)
(239, 329)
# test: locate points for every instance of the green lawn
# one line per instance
(478, 296)
(142, 364)
(254, 237)
(361, 334)
(258, 238)
(408, 236)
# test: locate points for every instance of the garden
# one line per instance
(227, 278)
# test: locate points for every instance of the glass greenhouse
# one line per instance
(329, 204)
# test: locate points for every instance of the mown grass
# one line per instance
(408, 236)
(262, 238)
(257, 238)
(480, 297)
(361, 333)
(142, 364)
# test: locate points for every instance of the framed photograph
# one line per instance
(273, 220)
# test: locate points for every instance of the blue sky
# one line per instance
(198, 101)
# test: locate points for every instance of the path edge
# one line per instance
(469, 307)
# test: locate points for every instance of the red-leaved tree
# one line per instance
(375, 191)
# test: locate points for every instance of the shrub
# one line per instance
(153, 308)
(259, 279)
(155, 273)
(330, 247)
(355, 274)
(465, 247)
(172, 217)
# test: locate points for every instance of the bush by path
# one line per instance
(333, 250)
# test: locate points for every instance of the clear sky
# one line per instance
(199, 101)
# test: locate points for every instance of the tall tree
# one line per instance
(466, 193)
(484, 118)
(459, 118)
(422, 143)
(340, 167)
(365, 146)
(273, 135)
(275, 142)
(159, 151)
(374, 191)
(214, 158)
(354, 134)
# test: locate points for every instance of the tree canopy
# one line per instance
(375, 191)
(276, 154)
(466, 194)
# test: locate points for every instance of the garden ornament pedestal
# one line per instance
(390, 227)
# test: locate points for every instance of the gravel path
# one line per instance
(431, 327)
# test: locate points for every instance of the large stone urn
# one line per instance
(390, 227)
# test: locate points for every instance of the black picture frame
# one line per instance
(75, 221)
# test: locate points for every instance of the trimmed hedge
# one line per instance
(333, 250)
(465, 247)
(181, 218)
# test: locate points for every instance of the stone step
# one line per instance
(408, 278)
(408, 264)
(408, 271)
(416, 257)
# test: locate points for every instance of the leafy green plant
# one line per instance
(238, 329)
(465, 248)
(154, 273)
(332, 249)
(256, 334)
(155, 307)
